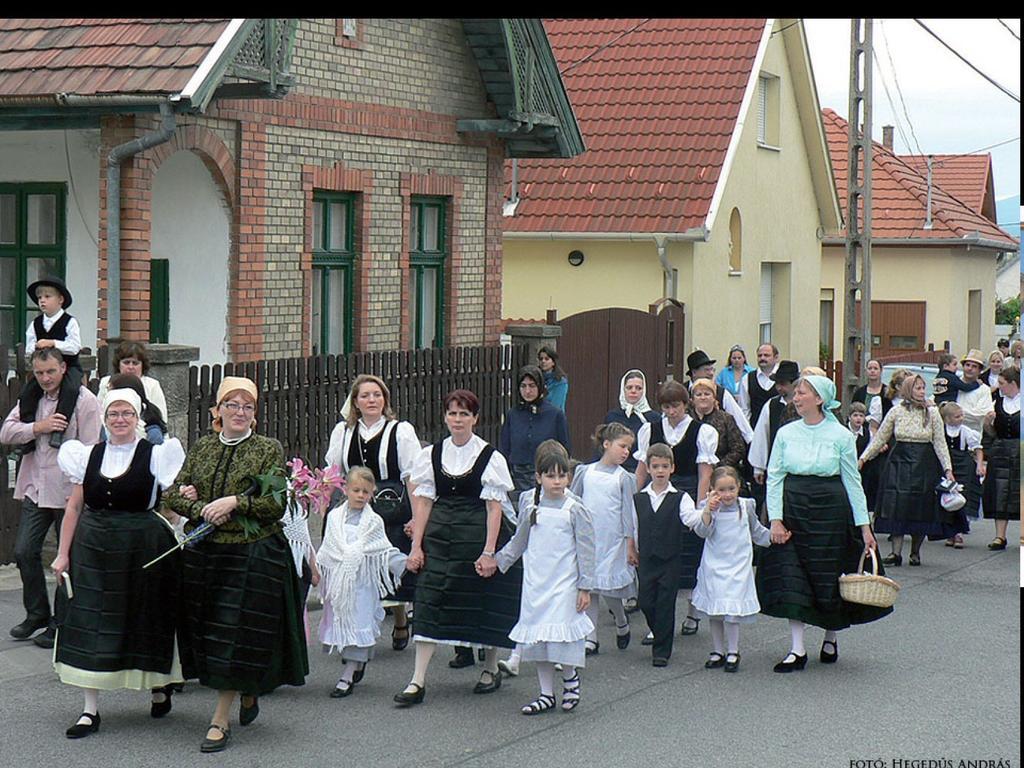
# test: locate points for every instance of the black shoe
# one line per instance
(685, 630)
(732, 662)
(46, 639)
(491, 687)
(893, 560)
(658, 661)
(247, 714)
(715, 660)
(342, 689)
(56, 439)
(630, 605)
(24, 630)
(792, 663)
(77, 731)
(216, 745)
(915, 559)
(160, 708)
(829, 657)
(463, 658)
(648, 639)
(404, 699)
(622, 641)
(400, 638)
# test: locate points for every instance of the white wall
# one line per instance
(191, 228)
(1008, 278)
(41, 156)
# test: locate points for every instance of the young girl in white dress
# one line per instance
(607, 491)
(555, 538)
(358, 567)
(725, 590)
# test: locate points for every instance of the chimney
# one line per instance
(887, 137)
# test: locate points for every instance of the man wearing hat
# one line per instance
(41, 486)
(776, 413)
(53, 328)
(978, 403)
(703, 367)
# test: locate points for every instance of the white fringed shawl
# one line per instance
(344, 565)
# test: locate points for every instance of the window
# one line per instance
(348, 27)
(333, 266)
(159, 300)
(33, 243)
(768, 111)
(765, 313)
(904, 342)
(426, 272)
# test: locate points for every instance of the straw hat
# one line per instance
(974, 356)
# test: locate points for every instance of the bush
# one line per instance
(1007, 312)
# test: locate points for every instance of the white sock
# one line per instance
(732, 636)
(796, 629)
(831, 636)
(424, 653)
(92, 701)
(351, 667)
(592, 614)
(546, 675)
(513, 658)
(619, 612)
(718, 635)
(568, 672)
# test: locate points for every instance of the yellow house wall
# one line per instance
(941, 277)
(772, 189)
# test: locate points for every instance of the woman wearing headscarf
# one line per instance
(528, 424)
(370, 435)
(117, 631)
(243, 633)
(731, 447)
(819, 525)
(634, 410)
(907, 502)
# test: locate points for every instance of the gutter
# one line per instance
(74, 100)
(117, 156)
(971, 240)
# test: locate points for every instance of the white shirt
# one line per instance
(405, 433)
(165, 461)
(458, 460)
(707, 439)
(72, 343)
(975, 405)
(1011, 405)
(969, 439)
(764, 380)
(757, 457)
(685, 502)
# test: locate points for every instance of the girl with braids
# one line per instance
(555, 538)
(607, 491)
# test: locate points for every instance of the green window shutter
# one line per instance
(159, 301)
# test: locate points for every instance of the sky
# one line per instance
(951, 108)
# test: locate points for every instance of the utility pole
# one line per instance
(857, 340)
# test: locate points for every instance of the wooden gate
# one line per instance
(598, 346)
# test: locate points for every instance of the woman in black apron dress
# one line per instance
(1001, 495)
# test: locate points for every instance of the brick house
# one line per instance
(314, 185)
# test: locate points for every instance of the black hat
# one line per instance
(697, 359)
(53, 282)
(788, 371)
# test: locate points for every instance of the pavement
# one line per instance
(938, 680)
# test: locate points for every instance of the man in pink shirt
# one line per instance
(42, 488)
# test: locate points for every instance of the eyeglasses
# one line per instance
(236, 407)
(121, 415)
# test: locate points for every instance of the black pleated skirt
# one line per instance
(1001, 497)
(800, 579)
(691, 547)
(453, 602)
(907, 502)
(242, 628)
(965, 472)
(122, 616)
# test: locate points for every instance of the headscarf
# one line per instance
(228, 385)
(122, 396)
(707, 384)
(641, 406)
(534, 373)
(826, 390)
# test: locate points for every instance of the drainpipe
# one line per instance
(670, 283)
(117, 156)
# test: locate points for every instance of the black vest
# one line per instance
(366, 453)
(684, 453)
(1007, 425)
(469, 485)
(779, 415)
(758, 396)
(130, 492)
(865, 438)
(658, 533)
(58, 332)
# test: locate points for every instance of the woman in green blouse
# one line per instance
(242, 631)
(819, 525)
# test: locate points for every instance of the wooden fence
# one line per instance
(301, 398)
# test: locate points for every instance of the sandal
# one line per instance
(591, 648)
(997, 543)
(400, 638)
(540, 705)
(571, 692)
(688, 630)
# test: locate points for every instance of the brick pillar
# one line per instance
(247, 287)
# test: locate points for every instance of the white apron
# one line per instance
(725, 579)
(601, 496)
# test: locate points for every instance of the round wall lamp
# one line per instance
(576, 258)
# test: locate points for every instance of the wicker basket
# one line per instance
(868, 588)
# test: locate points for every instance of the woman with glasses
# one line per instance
(243, 632)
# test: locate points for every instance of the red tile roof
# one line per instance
(39, 57)
(657, 108)
(968, 178)
(899, 195)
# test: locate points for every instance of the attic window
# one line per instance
(348, 27)
(768, 111)
(348, 33)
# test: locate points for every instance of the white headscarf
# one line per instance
(641, 406)
(129, 396)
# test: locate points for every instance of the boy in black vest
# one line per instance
(52, 327)
(659, 528)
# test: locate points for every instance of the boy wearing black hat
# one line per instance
(52, 327)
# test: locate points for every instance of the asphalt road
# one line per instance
(938, 680)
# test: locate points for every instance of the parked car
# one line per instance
(928, 372)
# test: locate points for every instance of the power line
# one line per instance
(976, 151)
(598, 50)
(899, 90)
(952, 50)
(888, 96)
(1009, 29)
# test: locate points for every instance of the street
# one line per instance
(938, 680)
